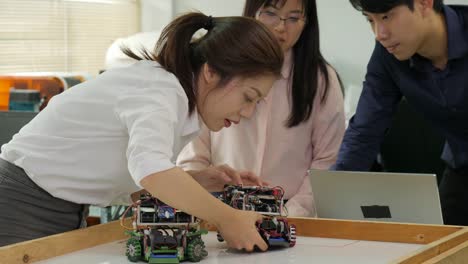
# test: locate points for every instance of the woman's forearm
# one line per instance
(179, 190)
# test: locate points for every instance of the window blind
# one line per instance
(62, 35)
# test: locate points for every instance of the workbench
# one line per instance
(318, 241)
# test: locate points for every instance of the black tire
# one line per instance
(219, 237)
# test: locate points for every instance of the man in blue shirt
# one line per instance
(421, 53)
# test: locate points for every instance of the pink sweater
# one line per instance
(265, 146)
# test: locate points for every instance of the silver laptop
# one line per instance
(390, 197)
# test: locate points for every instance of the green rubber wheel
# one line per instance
(133, 250)
(196, 250)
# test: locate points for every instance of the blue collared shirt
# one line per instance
(440, 95)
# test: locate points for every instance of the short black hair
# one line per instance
(383, 6)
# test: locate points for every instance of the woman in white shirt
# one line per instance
(118, 133)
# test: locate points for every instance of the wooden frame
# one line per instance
(443, 244)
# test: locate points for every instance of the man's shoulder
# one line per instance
(460, 8)
(462, 12)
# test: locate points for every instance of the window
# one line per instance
(62, 35)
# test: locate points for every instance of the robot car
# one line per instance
(267, 201)
(162, 234)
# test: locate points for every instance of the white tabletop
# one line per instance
(307, 250)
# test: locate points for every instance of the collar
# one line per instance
(456, 40)
(457, 43)
(192, 124)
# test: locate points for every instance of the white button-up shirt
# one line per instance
(95, 142)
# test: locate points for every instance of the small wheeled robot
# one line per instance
(162, 234)
(267, 201)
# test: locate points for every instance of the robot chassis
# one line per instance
(162, 234)
(268, 201)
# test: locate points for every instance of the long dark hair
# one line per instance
(383, 6)
(308, 61)
(232, 47)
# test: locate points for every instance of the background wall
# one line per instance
(346, 38)
(210, 7)
(347, 43)
(156, 14)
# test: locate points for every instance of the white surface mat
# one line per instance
(307, 250)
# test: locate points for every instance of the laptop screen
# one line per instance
(389, 197)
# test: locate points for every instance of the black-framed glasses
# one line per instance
(273, 19)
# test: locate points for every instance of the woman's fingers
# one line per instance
(251, 178)
(225, 177)
(234, 176)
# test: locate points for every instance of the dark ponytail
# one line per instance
(232, 46)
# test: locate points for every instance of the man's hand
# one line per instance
(215, 177)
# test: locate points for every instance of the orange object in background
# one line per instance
(48, 85)
(4, 95)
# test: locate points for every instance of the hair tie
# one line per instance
(208, 23)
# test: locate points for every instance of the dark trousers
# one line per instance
(29, 212)
(453, 190)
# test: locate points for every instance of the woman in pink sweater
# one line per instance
(298, 126)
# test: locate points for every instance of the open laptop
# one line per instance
(389, 197)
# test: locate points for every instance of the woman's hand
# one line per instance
(239, 231)
(215, 177)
